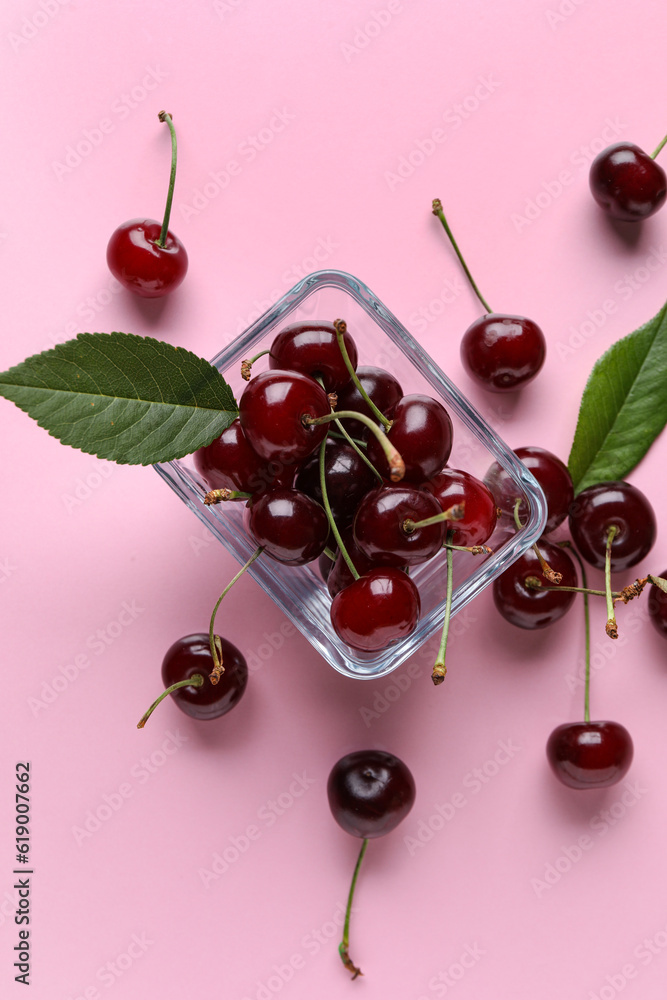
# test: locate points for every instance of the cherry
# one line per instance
(271, 412)
(379, 608)
(312, 348)
(383, 389)
(552, 475)
(190, 659)
(382, 527)
(614, 504)
(530, 608)
(657, 607)
(143, 254)
(340, 576)
(369, 792)
(230, 462)
(290, 526)
(348, 480)
(421, 430)
(627, 183)
(453, 486)
(590, 754)
(503, 353)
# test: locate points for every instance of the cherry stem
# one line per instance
(550, 574)
(353, 444)
(533, 583)
(610, 628)
(246, 366)
(197, 680)
(439, 668)
(341, 328)
(587, 629)
(218, 668)
(164, 116)
(437, 210)
(658, 148)
(218, 496)
(396, 463)
(330, 518)
(345, 943)
(476, 550)
(454, 513)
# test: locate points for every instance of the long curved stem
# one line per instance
(437, 210)
(330, 518)
(218, 668)
(164, 116)
(341, 327)
(345, 943)
(196, 680)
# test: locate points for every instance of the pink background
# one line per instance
(102, 567)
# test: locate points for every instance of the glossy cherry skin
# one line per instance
(379, 608)
(192, 655)
(312, 348)
(590, 754)
(627, 183)
(340, 576)
(657, 607)
(597, 508)
(379, 530)
(453, 486)
(348, 480)
(370, 792)
(292, 527)
(533, 609)
(135, 259)
(551, 474)
(383, 389)
(422, 433)
(503, 353)
(230, 462)
(271, 410)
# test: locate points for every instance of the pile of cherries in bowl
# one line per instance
(388, 512)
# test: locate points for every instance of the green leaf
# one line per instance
(131, 399)
(623, 408)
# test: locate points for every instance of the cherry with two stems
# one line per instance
(589, 754)
(370, 792)
(144, 255)
(501, 352)
(627, 182)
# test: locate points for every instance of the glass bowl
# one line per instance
(384, 342)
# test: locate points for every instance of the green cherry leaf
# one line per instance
(131, 399)
(623, 408)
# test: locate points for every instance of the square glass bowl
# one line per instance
(382, 341)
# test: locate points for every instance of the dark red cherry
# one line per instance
(657, 607)
(231, 463)
(341, 576)
(378, 609)
(503, 353)
(382, 527)
(590, 754)
(551, 474)
(422, 432)
(291, 526)
(312, 348)
(271, 412)
(192, 655)
(348, 480)
(627, 183)
(453, 486)
(136, 260)
(597, 508)
(370, 792)
(533, 609)
(383, 389)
